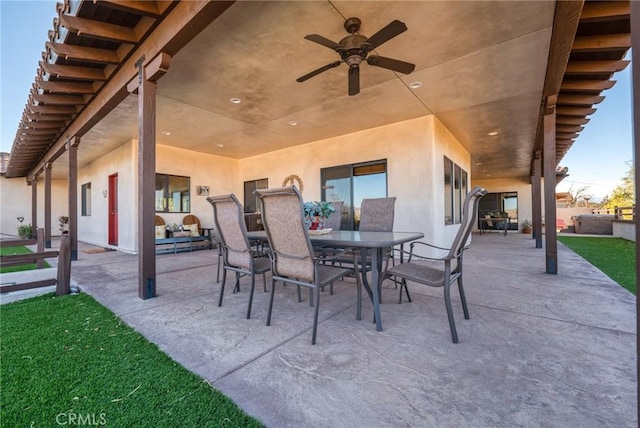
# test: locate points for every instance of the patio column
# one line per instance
(145, 86)
(47, 205)
(72, 174)
(536, 199)
(34, 202)
(551, 243)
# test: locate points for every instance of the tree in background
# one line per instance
(623, 195)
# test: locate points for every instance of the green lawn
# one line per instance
(69, 357)
(18, 250)
(614, 256)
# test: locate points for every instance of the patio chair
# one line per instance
(190, 220)
(237, 254)
(377, 214)
(334, 221)
(445, 270)
(292, 257)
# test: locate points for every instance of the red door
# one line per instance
(113, 209)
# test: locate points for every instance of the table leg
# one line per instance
(376, 257)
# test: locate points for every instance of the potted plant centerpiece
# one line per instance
(316, 212)
(526, 226)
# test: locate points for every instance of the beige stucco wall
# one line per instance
(218, 172)
(414, 152)
(15, 197)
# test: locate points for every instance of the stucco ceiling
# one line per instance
(482, 67)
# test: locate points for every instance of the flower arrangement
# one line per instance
(320, 209)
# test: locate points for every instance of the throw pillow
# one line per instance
(193, 228)
(160, 232)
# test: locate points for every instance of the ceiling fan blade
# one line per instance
(394, 28)
(324, 42)
(391, 64)
(354, 81)
(318, 71)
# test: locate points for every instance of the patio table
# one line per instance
(374, 241)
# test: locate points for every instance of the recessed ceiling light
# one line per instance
(167, 133)
(235, 100)
(493, 133)
(293, 123)
(478, 163)
(415, 85)
(220, 145)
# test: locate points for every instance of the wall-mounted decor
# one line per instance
(202, 190)
(293, 180)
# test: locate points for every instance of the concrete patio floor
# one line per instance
(539, 350)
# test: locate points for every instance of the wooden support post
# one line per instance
(145, 84)
(551, 243)
(536, 200)
(47, 205)
(34, 203)
(635, 84)
(40, 246)
(63, 285)
(72, 174)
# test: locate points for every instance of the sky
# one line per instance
(598, 160)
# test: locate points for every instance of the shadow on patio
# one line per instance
(539, 350)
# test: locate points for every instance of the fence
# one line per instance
(63, 277)
(620, 213)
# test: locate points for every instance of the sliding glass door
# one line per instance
(351, 184)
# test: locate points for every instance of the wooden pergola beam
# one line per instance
(98, 30)
(579, 100)
(149, 8)
(73, 72)
(52, 109)
(84, 53)
(566, 136)
(45, 117)
(53, 99)
(575, 111)
(604, 11)
(596, 66)
(587, 85)
(44, 125)
(569, 120)
(567, 128)
(601, 42)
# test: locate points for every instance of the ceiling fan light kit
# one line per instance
(355, 48)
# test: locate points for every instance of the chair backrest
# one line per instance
(191, 219)
(376, 215)
(334, 221)
(159, 221)
(469, 213)
(228, 216)
(283, 220)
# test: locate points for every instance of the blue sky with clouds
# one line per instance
(598, 159)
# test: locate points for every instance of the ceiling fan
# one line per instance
(355, 48)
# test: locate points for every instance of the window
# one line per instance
(86, 199)
(504, 204)
(173, 194)
(351, 184)
(455, 190)
(251, 204)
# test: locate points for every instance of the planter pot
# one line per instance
(526, 230)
